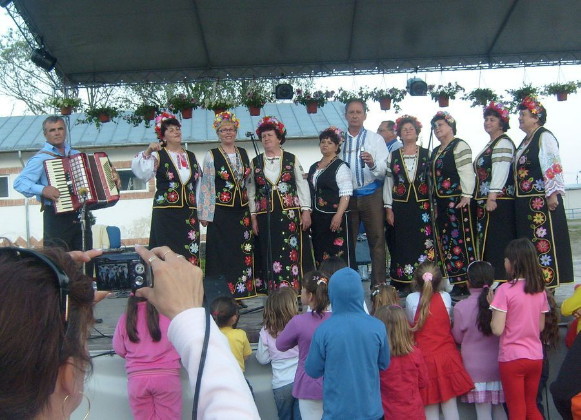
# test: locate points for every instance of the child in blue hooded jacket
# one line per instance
(349, 350)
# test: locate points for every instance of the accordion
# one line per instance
(82, 179)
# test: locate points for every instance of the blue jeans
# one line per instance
(286, 405)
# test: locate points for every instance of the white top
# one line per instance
(412, 302)
(284, 363)
(502, 155)
(224, 393)
(272, 172)
(144, 167)
(373, 144)
(343, 177)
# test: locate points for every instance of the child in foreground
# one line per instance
(479, 349)
(299, 331)
(279, 309)
(152, 364)
(349, 350)
(518, 317)
(428, 310)
(407, 372)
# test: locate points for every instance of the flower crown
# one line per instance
(226, 116)
(405, 118)
(446, 116)
(159, 119)
(534, 105)
(499, 108)
(337, 131)
(268, 120)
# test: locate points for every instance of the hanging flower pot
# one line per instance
(385, 104)
(254, 111)
(149, 115)
(443, 101)
(312, 107)
(187, 113)
(561, 96)
(66, 110)
(219, 110)
(104, 118)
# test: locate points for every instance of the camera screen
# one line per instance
(122, 271)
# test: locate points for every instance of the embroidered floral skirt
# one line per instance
(494, 230)
(549, 233)
(332, 244)
(177, 228)
(288, 250)
(454, 233)
(414, 240)
(230, 250)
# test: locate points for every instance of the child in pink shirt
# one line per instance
(152, 363)
(518, 317)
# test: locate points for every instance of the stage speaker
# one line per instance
(43, 59)
(284, 91)
(417, 87)
(215, 287)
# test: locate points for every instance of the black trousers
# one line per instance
(64, 230)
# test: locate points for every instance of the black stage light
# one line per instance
(284, 91)
(43, 59)
(417, 87)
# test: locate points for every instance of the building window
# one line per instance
(129, 182)
(3, 187)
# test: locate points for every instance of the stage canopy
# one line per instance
(128, 41)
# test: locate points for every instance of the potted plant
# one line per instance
(443, 93)
(388, 97)
(143, 113)
(345, 96)
(64, 104)
(519, 94)
(99, 115)
(561, 89)
(218, 104)
(183, 104)
(312, 100)
(255, 97)
(481, 97)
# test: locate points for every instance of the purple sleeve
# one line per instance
(119, 337)
(288, 338)
(458, 329)
(500, 301)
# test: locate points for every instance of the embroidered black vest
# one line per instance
(325, 198)
(528, 175)
(169, 190)
(483, 169)
(229, 192)
(445, 177)
(402, 187)
(284, 189)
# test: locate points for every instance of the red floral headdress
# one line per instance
(337, 131)
(499, 108)
(446, 116)
(268, 120)
(226, 116)
(405, 118)
(159, 119)
(534, 105)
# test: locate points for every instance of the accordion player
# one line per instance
(82, 179)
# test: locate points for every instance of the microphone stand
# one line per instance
(260, 163)
(83, 215)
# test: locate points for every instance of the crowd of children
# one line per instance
(336, 361)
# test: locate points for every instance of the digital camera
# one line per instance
(122, 271)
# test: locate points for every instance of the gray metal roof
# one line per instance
(25, 132)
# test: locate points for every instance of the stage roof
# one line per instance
(128, 41)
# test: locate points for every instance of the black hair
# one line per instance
(331, 135)
(223, 309)
(481, 276)
(492, 112)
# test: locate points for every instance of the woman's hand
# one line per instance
(85, 256)
(553, 201)
(464, 201)
(389, 216)
(336, 222)
(254, 224)
(177, 283)
(153, 147)
(491, 204)
(306, 219)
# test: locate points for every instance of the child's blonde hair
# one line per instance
(382, 295)
(399, 333)
(281, 305)
(427, 280)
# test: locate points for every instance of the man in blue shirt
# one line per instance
(387, 130)
(62, 229)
